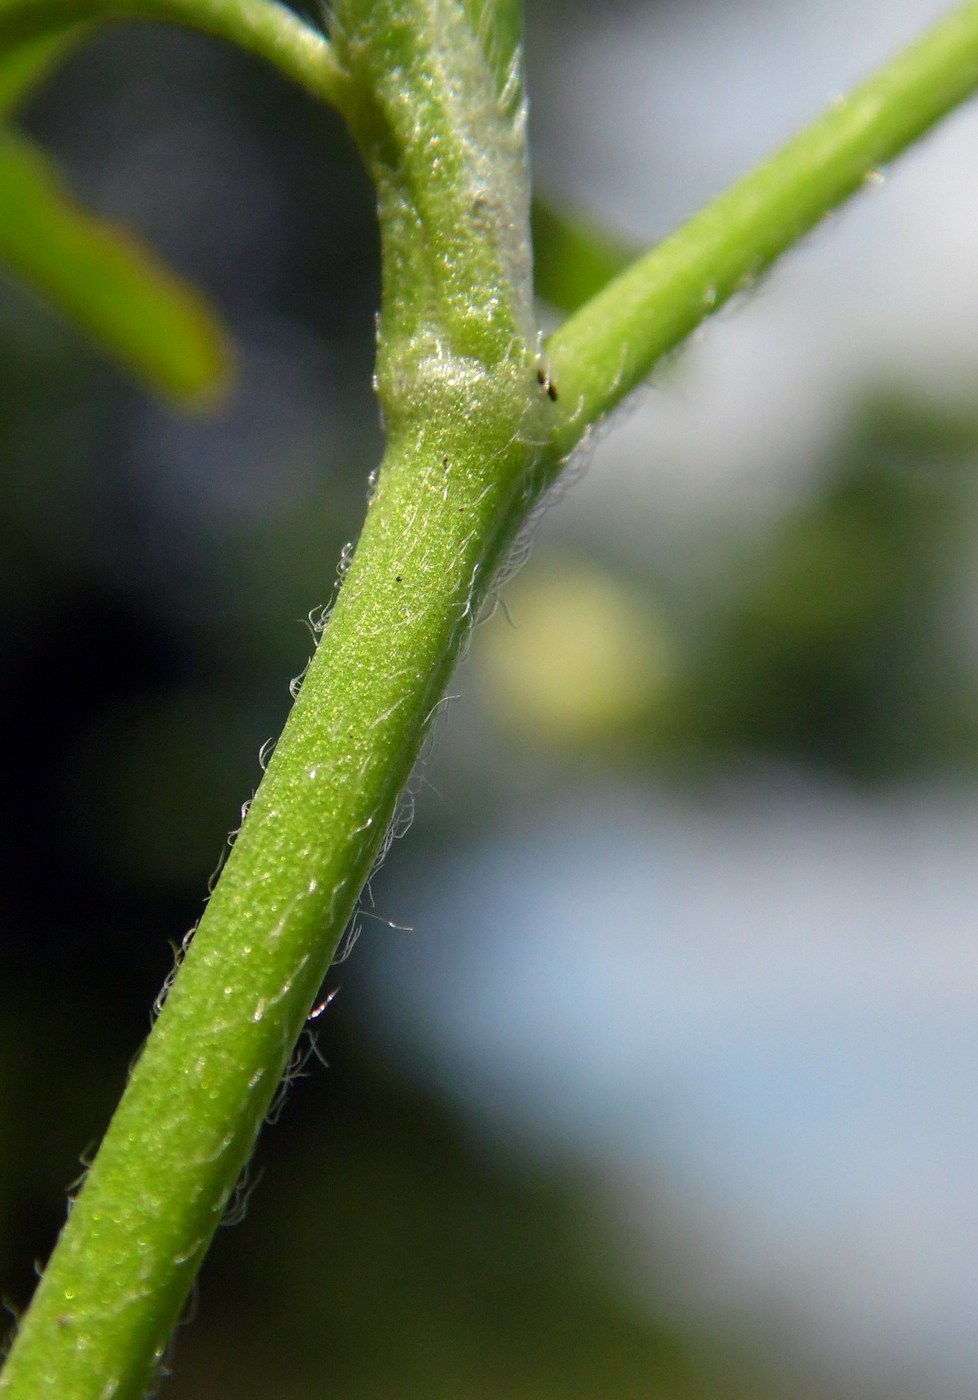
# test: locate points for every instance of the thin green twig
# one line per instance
(608, 347)
(262, 27)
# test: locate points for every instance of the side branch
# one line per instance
(262, 27)
(608, 347)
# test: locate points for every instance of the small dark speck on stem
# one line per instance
(545, 382)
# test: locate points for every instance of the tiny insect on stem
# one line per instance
(545, 382)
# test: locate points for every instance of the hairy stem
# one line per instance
(457, 376)
(112, 1292)
(472, 418)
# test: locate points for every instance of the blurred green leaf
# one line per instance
(26, 65)
(573, 257)
(835, 641)
(159, 328)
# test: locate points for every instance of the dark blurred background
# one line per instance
(667, 1092)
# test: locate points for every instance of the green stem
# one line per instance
(469, 424)
(457, 374)
(262, 27)
(602, 352)
(114, 1287)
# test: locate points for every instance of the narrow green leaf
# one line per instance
(159, 328)
(573, 257)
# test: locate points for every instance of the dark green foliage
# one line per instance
(836, 641)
